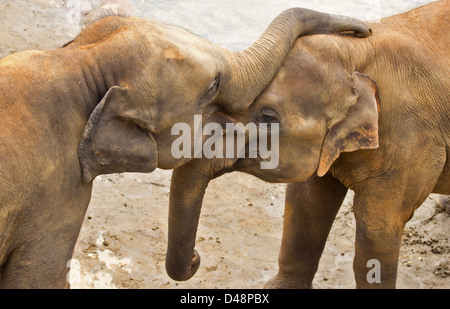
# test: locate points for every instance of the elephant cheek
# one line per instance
(297, 166)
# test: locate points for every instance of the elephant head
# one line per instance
(149, 76)
(321, 110)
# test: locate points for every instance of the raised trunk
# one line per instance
(252, 69)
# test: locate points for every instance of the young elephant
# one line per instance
(108, 101)
(368, 114)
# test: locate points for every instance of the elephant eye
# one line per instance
(268, 115)
(215, 83)
(211, 91)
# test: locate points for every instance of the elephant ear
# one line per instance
(113, 142)
(358, 129)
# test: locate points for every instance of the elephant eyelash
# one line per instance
(268, 116)
(212, 90)
(268, 119)
(216, 82)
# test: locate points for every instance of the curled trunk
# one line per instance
(252, 70)
(187, 189)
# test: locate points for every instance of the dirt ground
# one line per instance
(122, 243)
(123, 239)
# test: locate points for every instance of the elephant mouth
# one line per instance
(248, 163)
(252, 166)
(251, 158)
(243, 164)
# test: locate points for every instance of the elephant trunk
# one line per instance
(254, 68)
(188, 186)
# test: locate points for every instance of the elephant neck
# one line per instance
(76, 79)
(115, 60)
(97, 77)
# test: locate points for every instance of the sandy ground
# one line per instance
(122, 243)
(123, 240)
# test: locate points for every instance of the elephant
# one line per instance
(105, 103)
(370, 115)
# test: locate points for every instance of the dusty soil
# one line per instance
(123, 240)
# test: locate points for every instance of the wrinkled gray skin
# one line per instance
(105, 103)
(368, 114)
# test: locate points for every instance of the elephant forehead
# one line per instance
(192, 53)
(303, 124)
(271, 97)
(199, 56)
(173, 53)
(176, 38)
(189, 62)
(180, 50)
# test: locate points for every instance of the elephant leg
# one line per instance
(38, 264)
(382, 207)
(310, 210)
(377, 244)
(41, 258)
